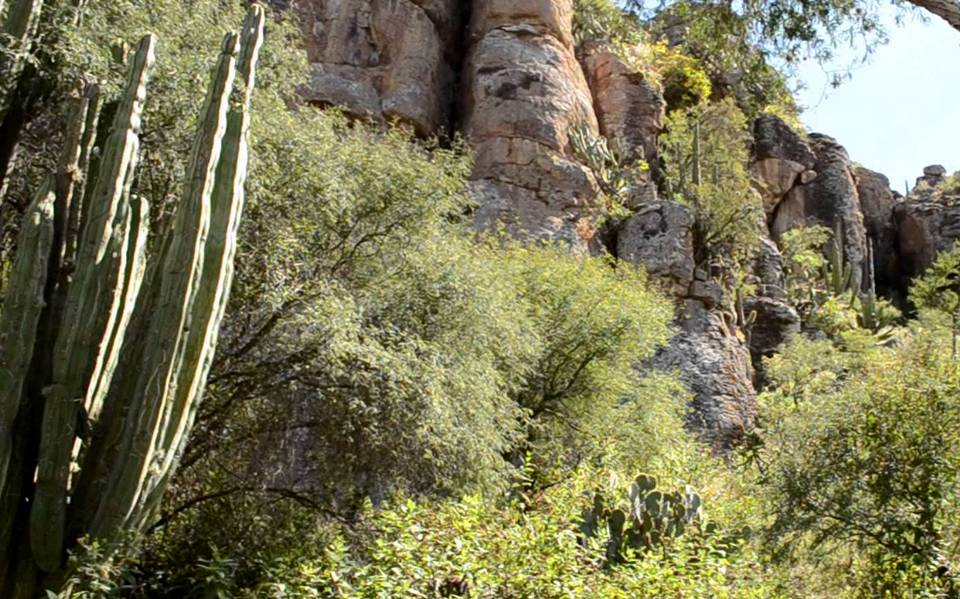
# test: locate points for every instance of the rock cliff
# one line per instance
(508, 76)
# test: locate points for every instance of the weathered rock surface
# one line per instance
(773, 138)
(773, 178)
(508, 76)
(781, 159)
(877, 203)
(714, 362)
(768, 274)
(831, 200)
(382, 59)
(630, 108)
(775, 322)
(659, 237)
(524, 93)
(924, 229)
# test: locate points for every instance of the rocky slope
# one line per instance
(507, 75)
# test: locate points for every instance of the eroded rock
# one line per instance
(630, 109)
(714, 362)
(524, 94)
(659, 237)
(382, 60)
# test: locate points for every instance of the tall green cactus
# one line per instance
(101, 302)
(837, 271)
(869, 308)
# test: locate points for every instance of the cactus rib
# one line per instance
(176, 292)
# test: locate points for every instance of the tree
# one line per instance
(861, 458)
(792, 29)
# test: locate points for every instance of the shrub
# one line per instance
(865, 459)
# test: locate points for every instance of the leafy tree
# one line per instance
(938, 291)
(793, 29)
(865, 460)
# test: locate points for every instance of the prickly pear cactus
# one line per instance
(649, 518)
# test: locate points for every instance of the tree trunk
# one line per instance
(948, 10)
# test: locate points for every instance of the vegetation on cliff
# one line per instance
(400, 405)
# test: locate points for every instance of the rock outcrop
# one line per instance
(524, 93)
(659, 237)
(711, 357)
(507, 75)
(382, 60)
(924, 229)
(629, 107)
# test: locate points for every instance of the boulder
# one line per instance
(659, 237)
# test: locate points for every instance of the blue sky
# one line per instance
(901, 110)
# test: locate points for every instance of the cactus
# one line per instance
(696, 161)
(651, 518)
(837, 271)
(20, 30)
(82, 262)
(869, 310)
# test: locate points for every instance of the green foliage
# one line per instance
(803, 263)
(186, 29)
(939, 288)
(615, 174)
(787, 30)
(685, 81)
(476, 548)
(592, 323)
(705, 153)
(822, 287)
(602, 22)
(865, 459)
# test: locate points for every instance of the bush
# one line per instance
(864, 461)
(705, 154)
(479, 549)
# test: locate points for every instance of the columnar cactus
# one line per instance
(129, 343)
(837, 270)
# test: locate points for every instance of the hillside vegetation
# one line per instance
(402, 404)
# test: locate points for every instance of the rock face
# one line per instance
(830, 200)
(659, 237)
(382, 59)
(524, 92)
(713, 362)
(877, 203)
(507, 75)
(629, 108)
(924, 229)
